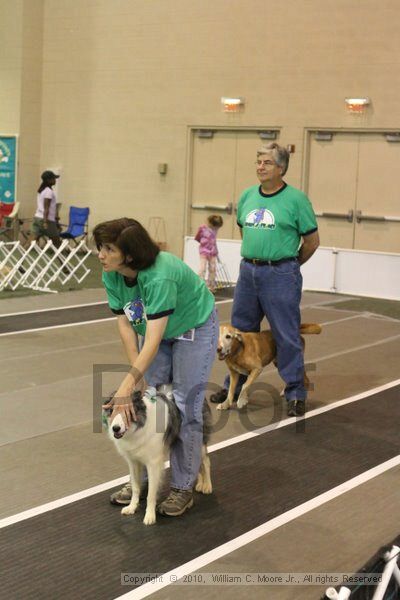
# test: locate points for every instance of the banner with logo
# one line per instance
(8, 165)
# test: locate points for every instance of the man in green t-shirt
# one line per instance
(279, 233)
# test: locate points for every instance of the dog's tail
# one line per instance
(164, 391)
(310, 328)
(175, 419)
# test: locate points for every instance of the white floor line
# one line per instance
(110, 318)
(364, 313)
(66, 381)
(312, 413)
(331, 301)
(43, 508)
(334, 321)
(59, 351)
(71, 324)
(342, 352)
(356, 348)
(326, 306)
(38, 510)
(371, 315)
(250, 536)
(53, 308)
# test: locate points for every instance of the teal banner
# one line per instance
(8, 163)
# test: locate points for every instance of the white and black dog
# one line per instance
(147, 441)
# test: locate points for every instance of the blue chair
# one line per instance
(78, 225)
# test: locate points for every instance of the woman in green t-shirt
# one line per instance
(156, 295)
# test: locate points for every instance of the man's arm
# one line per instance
(308, 247)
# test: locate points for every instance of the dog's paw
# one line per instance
(224, 405)
(149, 517)
(129, 510)
(242, 401)
(204, 487)
(199, 483)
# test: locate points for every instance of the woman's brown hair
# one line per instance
(131, 238)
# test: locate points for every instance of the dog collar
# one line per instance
(104, 419)
(151, 394)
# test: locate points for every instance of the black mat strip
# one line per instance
(79, 314)
(80, 550)
(48, 318)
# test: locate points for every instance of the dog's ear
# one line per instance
(238, 337)
(136, 396)
(108, 411)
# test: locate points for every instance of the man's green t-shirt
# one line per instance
(168, 288)
(272, 225)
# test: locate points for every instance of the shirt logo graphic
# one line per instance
(260, 218)
(134, 310)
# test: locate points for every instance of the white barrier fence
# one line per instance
(335, 270)
(391, 570)
(38, 267)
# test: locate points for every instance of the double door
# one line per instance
(354, 185)
(222, 166)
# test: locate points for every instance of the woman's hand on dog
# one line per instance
(121, 403)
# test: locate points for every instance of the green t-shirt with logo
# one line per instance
(272, 225)
(168, 288)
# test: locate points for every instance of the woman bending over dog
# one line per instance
(156, 295)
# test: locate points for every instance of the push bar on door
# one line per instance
(331, 215)
(228, 208)
(360, 217)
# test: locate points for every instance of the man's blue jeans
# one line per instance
(274, 292)
(187, 365)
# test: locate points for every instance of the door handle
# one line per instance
(331, 215)
(228, 208)
(377, 218)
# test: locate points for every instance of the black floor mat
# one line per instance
(80, 550)
(52, 317)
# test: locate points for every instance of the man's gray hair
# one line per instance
(279, 154)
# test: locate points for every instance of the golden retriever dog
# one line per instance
(248, 354)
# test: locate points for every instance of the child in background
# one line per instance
(207, 238)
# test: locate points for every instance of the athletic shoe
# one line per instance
(122, 496)
(176, 503)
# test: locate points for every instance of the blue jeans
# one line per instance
(274, 292)
(187, 365)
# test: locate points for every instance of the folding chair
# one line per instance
(78, 225)
(9, 223)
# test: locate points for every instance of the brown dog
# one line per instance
(248, 354)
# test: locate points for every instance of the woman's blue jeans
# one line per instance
(187, 365)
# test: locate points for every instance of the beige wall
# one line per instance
(31, 105)
(123, 80)
(20, 89)
(10, 65)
